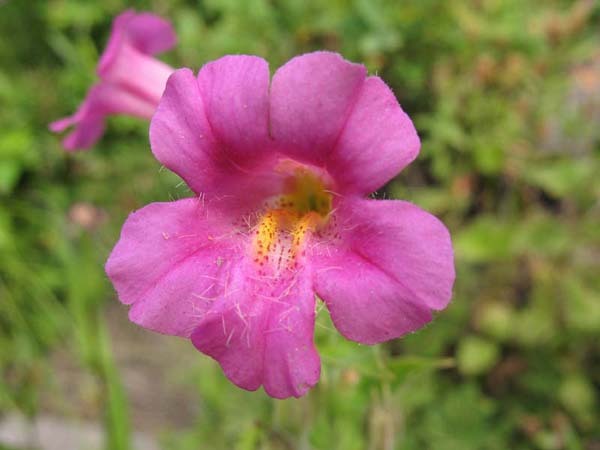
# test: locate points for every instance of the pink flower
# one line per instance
(282, 175)
(131, 80)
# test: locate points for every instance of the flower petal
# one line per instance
(180, 135)
(150, 33)
(183, 140)
(378, 141)
(147, 33)
(262, 333)
(102, 100)
(88, 129)
(168, 263)
(118, 36)
(311, 97)
(235, 93)
(365, 304)
(392, 263)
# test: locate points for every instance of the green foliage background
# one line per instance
(506, 97)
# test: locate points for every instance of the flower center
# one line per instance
(281, 232)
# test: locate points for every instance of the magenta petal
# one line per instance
(311, 97)
(168, 263)
(366, 304)
(292, 364)
(236, 343)
(179, 299)
(118, 37)
(147, 33)
(235, 92)
(393, 263)
(378, 141)
(180, 134)
(102, 100)
(127, 60)
(88, 129)
(87, 132)
(151, 34)
(141, 74)
(62, 124)
(183, 140)
(262, 333)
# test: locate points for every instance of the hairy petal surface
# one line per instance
(391, 265)
(377, 142)
(261, 333)
(311, 98)
(182, 268)
(168, 261)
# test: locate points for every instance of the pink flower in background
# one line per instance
(131, 80)
(282, 171)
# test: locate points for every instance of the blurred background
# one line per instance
(506, 97)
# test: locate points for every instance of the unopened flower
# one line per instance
(282, 173)
(131, 79)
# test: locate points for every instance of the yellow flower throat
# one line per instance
(281, 231)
